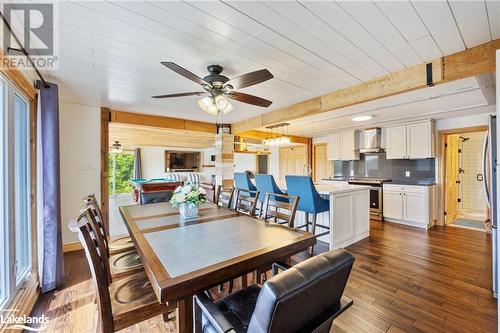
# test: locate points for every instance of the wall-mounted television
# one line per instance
(177, 161)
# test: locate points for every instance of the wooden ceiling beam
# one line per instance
(159, 121)
(471, 62)
(260, 135)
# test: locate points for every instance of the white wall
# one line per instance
(463, 122)
(274, 162)
(79, 130)
(243, 162)
(153, 160)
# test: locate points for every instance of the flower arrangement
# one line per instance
(190, 194)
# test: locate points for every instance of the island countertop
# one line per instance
(329, 189)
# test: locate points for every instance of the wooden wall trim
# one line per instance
(71, 247)
(105, 118)
(159, 121)
(471, 62)
(17, 77)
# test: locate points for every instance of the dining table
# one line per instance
(184, 257)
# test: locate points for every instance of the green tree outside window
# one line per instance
(124, 172)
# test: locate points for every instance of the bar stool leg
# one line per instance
(311, 250)
(307, 222)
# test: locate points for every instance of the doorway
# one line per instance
(465, 201)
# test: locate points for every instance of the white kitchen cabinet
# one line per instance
(409, 204)
(410, 141)
(343, 146)
(333, 147)
(420, 143)
(393, 204)
(414, 209)
(396, 142)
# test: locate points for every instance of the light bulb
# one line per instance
(227, 109)
(205, 103)
(212, 109)
(221, 102)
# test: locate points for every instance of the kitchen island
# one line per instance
(349, 214)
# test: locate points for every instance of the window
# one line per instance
(121, 170)
(15, 191)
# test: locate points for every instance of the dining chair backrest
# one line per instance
(91, 201)
(305, 297)
(266, 184)
(280, 207)
(246, 201)
(96, 261)
(303, 187)
(242, 181)
(225, 196)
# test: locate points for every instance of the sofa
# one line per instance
(196, 178)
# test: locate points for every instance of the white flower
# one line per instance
(186, 189)
(202, 190)
(180, 197)
(178, 189)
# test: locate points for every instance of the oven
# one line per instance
(376, 195)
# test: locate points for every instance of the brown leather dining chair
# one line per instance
(116, 245)
(304, 298)
(224, 196)
(246, 201)
(125, 302)
(119, 264)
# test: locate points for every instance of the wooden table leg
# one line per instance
(185, 315)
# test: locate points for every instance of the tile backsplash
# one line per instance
(376, 165)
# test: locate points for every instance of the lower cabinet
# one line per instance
(409, 204)
(350, 218)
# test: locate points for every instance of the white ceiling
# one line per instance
(455, 99)
(110, 52)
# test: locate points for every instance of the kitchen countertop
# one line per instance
(333, 188)
(412, 182)
(329, 189)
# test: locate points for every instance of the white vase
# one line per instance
(188, 210)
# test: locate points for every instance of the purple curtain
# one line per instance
(50, 254)
(137, 164)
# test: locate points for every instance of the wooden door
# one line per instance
(451, 177)
(292, 161)
(322, 167)
(396, 142)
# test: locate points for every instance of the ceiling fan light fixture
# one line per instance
(221, 102)
(228, 108)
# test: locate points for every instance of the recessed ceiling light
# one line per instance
(362, 118)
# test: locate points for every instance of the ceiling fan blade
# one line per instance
(249, 79)
(194, 93)
(184, 72)
(249, 99)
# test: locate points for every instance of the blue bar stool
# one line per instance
(310, 201)
(243, 182)
(267, 184)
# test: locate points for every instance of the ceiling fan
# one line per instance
(217, 87)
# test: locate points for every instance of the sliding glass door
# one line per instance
(15, 191)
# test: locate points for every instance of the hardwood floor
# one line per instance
(404, 280)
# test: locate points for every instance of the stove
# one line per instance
(376, 195)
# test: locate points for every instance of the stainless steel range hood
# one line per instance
(372, 141)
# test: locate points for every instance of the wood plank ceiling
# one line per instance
(110, 52)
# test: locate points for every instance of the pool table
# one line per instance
(156, 189)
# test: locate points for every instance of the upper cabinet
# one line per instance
(410, 141)
(343, 146)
